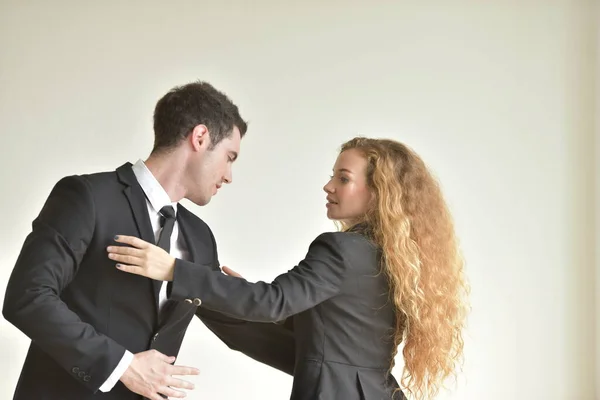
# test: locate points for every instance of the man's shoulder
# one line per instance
(100, 180)
(108, 175)
(96, 184)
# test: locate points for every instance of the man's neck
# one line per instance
(169, 171)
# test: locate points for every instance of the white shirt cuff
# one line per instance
(118, 372)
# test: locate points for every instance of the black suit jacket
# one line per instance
(82, 313)
(343, 319)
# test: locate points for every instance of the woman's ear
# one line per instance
(373, 196)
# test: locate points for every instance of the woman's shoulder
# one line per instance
(345, 249)
(345, 240)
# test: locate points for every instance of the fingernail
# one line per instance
(116, 237)
(119, 265)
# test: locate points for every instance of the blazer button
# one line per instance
(81, 374)
(87, 378)
(197, 302)
(75, 370)
(188, 300)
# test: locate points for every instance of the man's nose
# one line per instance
(228, 177)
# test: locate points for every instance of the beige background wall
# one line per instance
(498, 98)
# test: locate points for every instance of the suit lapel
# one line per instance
(198, 243)
(137, 201)
(188, 233)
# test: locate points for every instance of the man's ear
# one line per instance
(199, 138)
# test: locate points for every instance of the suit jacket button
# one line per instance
(81, 374)
(188, 300)
(197, 302)
(87, 378)
(75, 370)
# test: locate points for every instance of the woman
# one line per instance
(393, 275)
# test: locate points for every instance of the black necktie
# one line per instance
(167, 222)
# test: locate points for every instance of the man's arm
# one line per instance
(48, 262)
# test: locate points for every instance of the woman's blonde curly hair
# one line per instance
(410, 221)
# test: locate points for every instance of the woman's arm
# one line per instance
(315, 279)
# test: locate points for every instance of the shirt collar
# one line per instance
(156, 194)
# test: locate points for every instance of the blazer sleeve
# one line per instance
(270, 344)
(314, 280)
(48, 262)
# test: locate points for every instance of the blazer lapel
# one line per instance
(137, 201)
(199, 244)
(188, 234)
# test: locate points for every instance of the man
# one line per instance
(98, 333)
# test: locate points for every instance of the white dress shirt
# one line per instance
(156, 198)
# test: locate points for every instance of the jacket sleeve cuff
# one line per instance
(118, 372)
(186, 276)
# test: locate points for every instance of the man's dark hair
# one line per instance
(197, 103)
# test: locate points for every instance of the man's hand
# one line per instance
(142, 258)
(150, 373)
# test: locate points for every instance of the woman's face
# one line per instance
(348, 195)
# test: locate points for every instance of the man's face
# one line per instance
(210, 168)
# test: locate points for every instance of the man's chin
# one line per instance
(200, 202)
